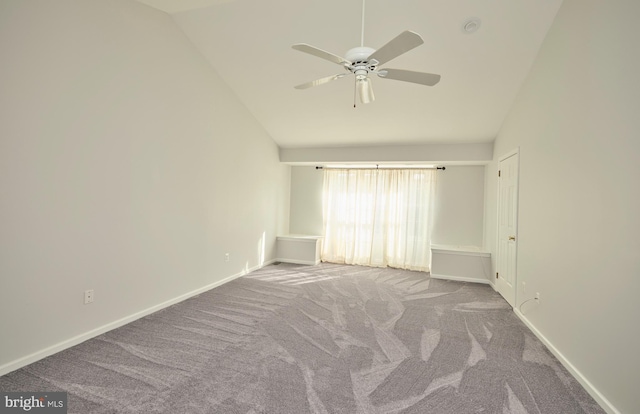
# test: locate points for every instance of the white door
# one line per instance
(507, 226)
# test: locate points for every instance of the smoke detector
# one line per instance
(471, 25)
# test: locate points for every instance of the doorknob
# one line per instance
(512, 238)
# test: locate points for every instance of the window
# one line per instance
(378, 217)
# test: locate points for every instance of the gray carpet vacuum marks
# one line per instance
(317, 339)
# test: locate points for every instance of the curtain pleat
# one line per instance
(378, 217)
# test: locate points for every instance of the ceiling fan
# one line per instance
(362, 61)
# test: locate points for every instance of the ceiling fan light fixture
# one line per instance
(471, 25)
(365, 91)
(361, 73)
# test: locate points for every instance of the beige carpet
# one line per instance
(317, 339)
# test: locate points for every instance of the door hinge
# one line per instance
(498, 173)
(496, 275)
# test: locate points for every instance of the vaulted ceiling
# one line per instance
(248, 43)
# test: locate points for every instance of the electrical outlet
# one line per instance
(226, 257)
(88, 296)
(538, 296)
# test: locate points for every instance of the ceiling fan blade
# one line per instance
(422, 78)
(312, 50)
(402, 43)
(365, 90)
(320, 81)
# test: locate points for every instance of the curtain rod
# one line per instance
(378, 168)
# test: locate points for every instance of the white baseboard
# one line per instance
(460, 278)
(301, 262)
(36, 356)
(600, 399)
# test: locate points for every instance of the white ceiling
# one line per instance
(248, 42)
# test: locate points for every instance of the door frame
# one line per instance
(511, 153)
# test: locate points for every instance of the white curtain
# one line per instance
(378, 217)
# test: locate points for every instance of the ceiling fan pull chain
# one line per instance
(355, 90)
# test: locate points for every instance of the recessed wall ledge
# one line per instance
(471, 154)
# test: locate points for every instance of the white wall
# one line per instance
(427, 153)
(577, 125)
(127, 166)
(306, 201)
(459, 206)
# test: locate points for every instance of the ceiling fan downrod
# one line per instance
(362, 32)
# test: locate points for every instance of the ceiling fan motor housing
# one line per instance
(359, 58)
(359, 54)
